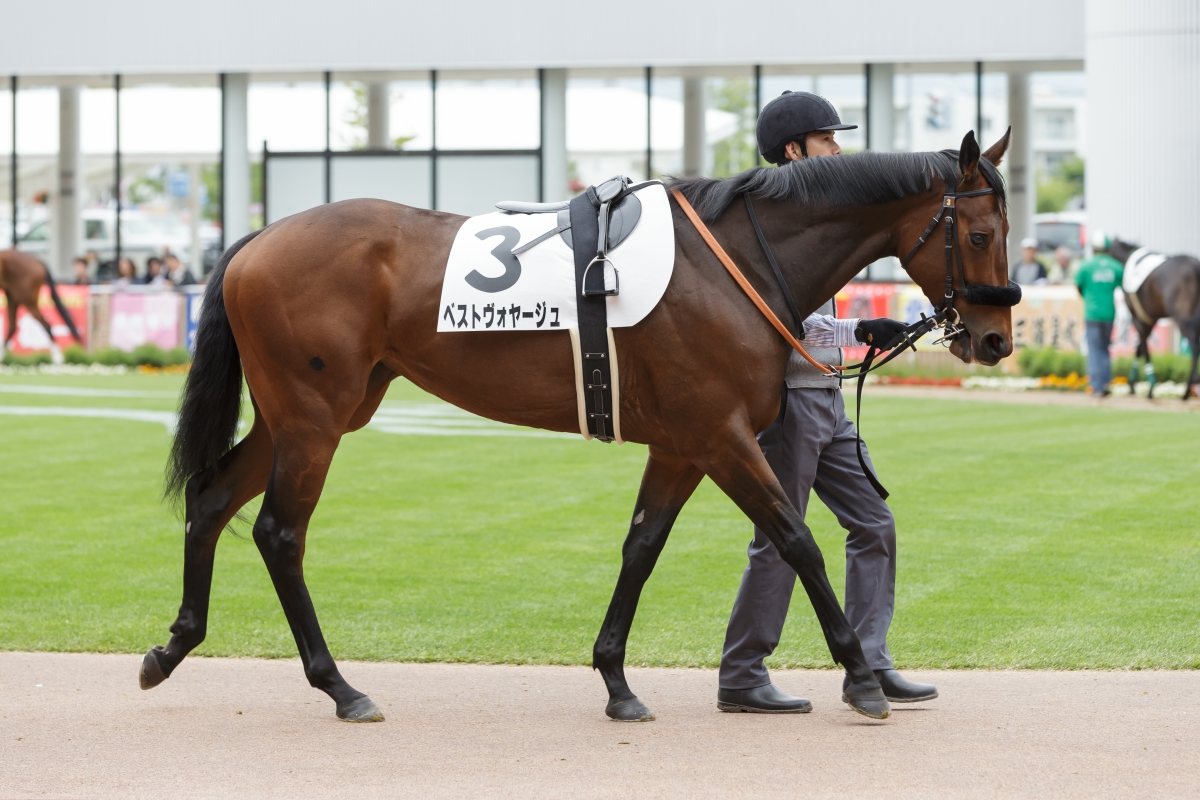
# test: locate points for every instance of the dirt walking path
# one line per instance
(77, 726)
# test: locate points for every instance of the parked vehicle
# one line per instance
(1061, 229)
(142, 235)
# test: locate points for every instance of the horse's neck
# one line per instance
(820, 250)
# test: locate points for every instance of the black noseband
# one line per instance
(983, 294)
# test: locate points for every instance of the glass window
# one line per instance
(666, 126)
(606, 129)
(400, 179)
(936, 110)
(730, 119)
(37, 150)
(288, 116)
(95, 230)
(349, 115)
(474, 184)
(501, 113)
(6, 144)
(170, 151)
(409, 111)
(411, 114)
(848, 93)
(995, 107)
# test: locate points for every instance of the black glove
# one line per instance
(883, 333)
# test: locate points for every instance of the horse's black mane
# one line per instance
(852, 180)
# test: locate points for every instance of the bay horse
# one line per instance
(1171, 290)
(22, 276)
(322, 310)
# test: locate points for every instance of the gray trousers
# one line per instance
(811, 446)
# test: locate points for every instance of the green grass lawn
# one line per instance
(1045, 537)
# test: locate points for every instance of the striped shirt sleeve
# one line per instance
(825, 331)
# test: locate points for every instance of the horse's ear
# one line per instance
(968, 159)
(995, 153)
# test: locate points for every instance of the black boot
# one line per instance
(761, 700)
(898, 689)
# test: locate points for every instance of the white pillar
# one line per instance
(235, 179)
(881, 102)
(71, 185)
(693, 127)
(378, 109)
(1143, 130)
(195, 260)
(555, 170)
(1022, 179)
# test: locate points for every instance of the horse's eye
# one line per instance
(979, 240)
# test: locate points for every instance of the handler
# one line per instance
(811, 445)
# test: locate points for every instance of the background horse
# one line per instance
(322, 310)
(21, 277)
(1171, 290)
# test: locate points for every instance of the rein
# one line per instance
(754, 296)
(976, 294)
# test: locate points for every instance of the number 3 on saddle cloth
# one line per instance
(522, 269)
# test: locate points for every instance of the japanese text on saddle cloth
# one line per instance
(496, 282)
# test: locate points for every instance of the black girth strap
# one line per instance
(596, 366)
(787, 293)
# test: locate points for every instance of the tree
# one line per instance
(737, 152)
(1064, 184)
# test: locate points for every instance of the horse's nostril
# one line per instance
(995, 343)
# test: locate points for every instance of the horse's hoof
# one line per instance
(360, 710)
(870, 703)
(151, 674)
(631, 710)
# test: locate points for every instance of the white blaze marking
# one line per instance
(641, 515)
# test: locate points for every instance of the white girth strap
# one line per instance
(576, 358)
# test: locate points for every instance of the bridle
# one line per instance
(982, 294)
(975, 293)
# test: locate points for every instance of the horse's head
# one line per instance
(982, 297)
(1121, 250)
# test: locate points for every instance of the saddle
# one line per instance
(617, 211)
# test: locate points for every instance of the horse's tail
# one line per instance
(211, 405)
(58, 303)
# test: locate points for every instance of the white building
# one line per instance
(461, 102)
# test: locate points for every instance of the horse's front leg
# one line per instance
(738, 466)
(667, 484)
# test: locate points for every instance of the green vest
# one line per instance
(1097, 278)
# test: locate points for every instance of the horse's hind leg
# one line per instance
(212, 498)
(1193, 338)
(56, 354)
(297, 477)
(740, 469)
(667, 484)
(11, 308)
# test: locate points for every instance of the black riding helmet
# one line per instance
(791, 117)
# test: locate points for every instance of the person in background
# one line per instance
(177, 273)
(1028, 270)
(1097, 279)
(126, 273)
(1060, 271)
(154, 272)
(80, 267)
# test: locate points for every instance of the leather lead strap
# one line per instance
(754, 296)
(787, 293)
(865, 367)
